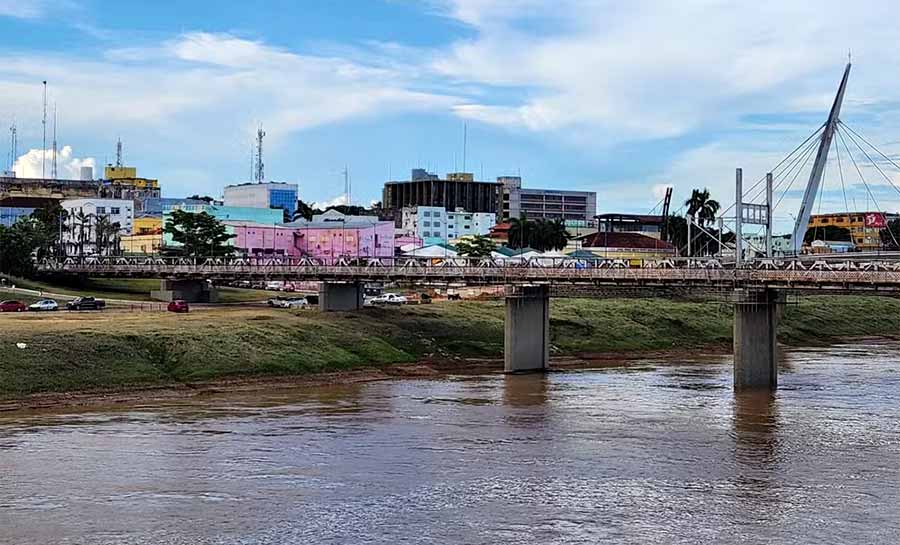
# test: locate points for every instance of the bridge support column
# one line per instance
(335, 296)
(756, 315)
(526, 338)
(192, 291)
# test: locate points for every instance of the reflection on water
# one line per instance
(662, 451)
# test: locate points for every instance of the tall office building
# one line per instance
(570, 206)
(458, 190)
(266, 195)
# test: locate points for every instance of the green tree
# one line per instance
(51, 222)
(199, 234)
(304, 211)
(541, 235)
(702, 207)
(828, 232)
(18, 247)
(891, 235)
(106, 236)
(477, 246)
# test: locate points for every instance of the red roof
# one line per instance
(624, 240)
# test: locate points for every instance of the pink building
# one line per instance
(328, 236)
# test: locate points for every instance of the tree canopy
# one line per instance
(199, 234)
(702, 207)
(477, 246)
(18, 246)
(541, 234)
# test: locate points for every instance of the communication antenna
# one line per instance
(465, 142)
(252, 162)
(347, 183)
(44, 140)
(260, 167)
(53, 164)
(119, 152)
(13, 145)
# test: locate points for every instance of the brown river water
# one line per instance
(661, 451)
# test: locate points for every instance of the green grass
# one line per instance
(86, 351)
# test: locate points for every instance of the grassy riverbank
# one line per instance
(118, 350)
(128, 289)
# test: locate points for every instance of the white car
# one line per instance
(389, 299)
(300, 302)
(45, 304)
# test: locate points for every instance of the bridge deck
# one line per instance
(830, 276)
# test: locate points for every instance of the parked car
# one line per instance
(44, 304)
(178, 305)
(86, 303)
(389, 299)
(12, 306)
(298, 302)
(276, 302)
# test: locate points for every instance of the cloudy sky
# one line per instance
(621, 98)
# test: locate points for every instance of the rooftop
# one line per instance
(623, 240)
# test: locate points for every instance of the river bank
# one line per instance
(116, 352)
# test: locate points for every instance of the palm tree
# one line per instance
(702, 207)
(106, 236)
(519, 232)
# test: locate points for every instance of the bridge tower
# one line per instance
(818, 169)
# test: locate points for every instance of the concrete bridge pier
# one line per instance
(527, 330)
(756, 315)
(192, 291)
(340, 296)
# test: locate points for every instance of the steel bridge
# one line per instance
(870, 276)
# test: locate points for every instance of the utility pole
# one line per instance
(738, 215)
(44, 140)
(769, 220)
(347, 184)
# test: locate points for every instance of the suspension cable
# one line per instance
(885, 176)
(862, 179)
(787, 171)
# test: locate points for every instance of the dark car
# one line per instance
(85, 303)
(178, 306)
(12, 306)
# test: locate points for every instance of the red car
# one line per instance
(178, 306)
(12, 306)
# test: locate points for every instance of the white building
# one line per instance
(80, 230)
(265, 195)
(426, 222)
(434, 224)
(466, 224)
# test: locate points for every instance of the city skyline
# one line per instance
(584, 96)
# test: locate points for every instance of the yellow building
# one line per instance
(865, 227)
(127, 176)
(147, 225)
(141, 244)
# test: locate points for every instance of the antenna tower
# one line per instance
(13, 146)
(260, 166)
(465, 138)
(44, 140)
(119, 152)
(347, 183)
(53, 164)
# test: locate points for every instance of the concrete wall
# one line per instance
(335, 297)
(755, 339)
(192, 291)
(527, 330)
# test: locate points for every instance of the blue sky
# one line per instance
(619, 98)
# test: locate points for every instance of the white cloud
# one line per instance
(336, 201)
(657, 69)
(21, 9)
(213, 75)
(68, 166)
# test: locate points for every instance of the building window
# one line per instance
(101, 210)
(426, 234)
(437, 224)
(115, 211)
(426, 224)
(427, 214)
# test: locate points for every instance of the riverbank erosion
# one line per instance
(118, 350)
